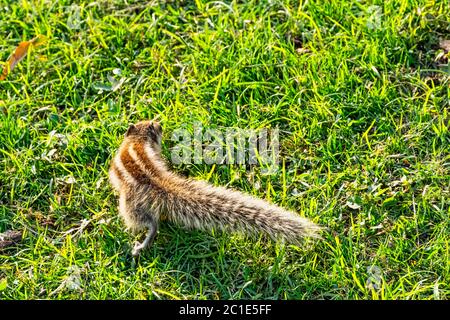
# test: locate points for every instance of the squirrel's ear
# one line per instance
(157, 127)
(131, 129)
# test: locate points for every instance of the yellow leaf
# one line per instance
(20, 53)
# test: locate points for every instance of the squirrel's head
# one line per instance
(148, 131)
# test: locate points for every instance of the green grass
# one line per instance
(361, 96)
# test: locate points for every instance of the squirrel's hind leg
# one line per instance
(138, 216)
(151, 233)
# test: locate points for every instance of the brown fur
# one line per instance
(149, 192)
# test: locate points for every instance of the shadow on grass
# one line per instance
(221, 266)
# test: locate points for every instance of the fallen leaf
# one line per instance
(115, 84)
(302, 50)
(353, 206)
(9, 238)
(20, 53)
(72, 281)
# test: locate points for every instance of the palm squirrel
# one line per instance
(149, 192)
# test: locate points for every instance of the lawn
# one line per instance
(358, 89)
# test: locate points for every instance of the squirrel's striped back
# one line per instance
(149, 191)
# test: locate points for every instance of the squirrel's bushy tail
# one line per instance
(206, 207)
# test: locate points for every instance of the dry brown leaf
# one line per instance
(302, 50)
(9, 238)
(20, 53)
